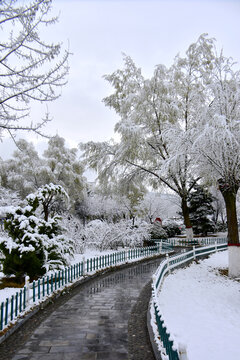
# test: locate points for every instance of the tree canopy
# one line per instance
(156, 116)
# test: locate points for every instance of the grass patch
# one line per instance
(223, 272)
(10, 282)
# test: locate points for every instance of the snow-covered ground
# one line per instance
(201, 309)
(6, 292)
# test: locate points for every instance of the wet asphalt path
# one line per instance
(92, 322)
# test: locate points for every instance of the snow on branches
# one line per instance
(36, 242)
(102, 235)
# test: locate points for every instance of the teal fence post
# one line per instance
(48, 285)
(12, 304)
(43, 286)
(1, 322)
(24, 297)
(16, 304)
(51, 283)
(6, 311)
(59, 279)
(20, 300)
(39, 291)
(55, 280)
(33, 290)
(65, 276)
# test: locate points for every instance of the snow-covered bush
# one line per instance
(172, 228)
(36, 243)
(157, 231)
(134, 235)
(102, 235)
(73, 232)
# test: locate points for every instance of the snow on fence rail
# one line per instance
(168, 348)
(195, 241)
(38, 291)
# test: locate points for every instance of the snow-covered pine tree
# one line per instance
(201, 210)
(36, 243)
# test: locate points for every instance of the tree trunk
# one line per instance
(229, 194)
(187, 221)
(230, 203)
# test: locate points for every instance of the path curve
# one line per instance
(90, 323)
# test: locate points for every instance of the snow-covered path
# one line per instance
(201, 309)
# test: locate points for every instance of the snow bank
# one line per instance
(7, 293)
(201, 309)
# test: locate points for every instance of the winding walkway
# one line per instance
(91, 322)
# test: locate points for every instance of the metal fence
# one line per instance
(38, 291)
(195, 241)
(169, 349)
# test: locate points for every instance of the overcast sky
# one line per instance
(150, 31)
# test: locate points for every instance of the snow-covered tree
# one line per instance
(102, 207)
(73, 229)
(201, 210)
(155, 117)
(219, 216)
(102, 235)
(25, 171)
(31, 70)
(217, 145)
(160, 205)
(130, 195)
(64, 168)
(36, 243)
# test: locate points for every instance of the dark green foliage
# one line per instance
(172, 229)
(201, 210)
(29, 263)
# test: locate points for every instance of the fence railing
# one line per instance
(38, 291)
(167, 346)
(195, 241)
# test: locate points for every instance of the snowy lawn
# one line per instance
(6, 292)
(201, 309)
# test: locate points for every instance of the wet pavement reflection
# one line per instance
(93, 323)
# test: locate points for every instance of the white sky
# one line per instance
(150, 31)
